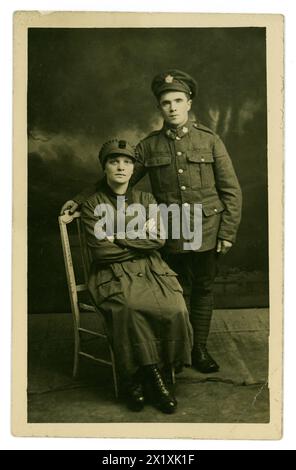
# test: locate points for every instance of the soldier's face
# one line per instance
(174, 107)
(119, 169)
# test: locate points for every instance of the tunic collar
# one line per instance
(177, 133)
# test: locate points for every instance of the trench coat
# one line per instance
(187, 167)
(138, 294)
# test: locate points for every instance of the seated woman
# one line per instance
(132, 286)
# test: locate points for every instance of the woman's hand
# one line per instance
(150, 225)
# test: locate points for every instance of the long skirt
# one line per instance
(146, 314)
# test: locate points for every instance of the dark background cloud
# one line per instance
(88, 85)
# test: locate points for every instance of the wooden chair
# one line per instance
(75, 291)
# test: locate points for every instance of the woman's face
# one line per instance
(119, 169)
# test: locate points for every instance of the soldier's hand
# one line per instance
(70, 206)
(223, 246)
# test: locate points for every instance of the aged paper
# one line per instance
(25, 24)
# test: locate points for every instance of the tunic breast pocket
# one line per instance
(159, 166)
(201, 168)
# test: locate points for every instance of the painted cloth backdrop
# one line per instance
(88, 85)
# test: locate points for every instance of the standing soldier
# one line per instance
(188, 164)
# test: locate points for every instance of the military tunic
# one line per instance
(138, 293)
(191, 165)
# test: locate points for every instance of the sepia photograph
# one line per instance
(147, 219)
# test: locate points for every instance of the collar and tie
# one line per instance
(126, 198)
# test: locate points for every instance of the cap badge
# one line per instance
(122, 144)
(169, 79)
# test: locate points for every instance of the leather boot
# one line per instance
(135, 394)
(164, 400)
(202, 360)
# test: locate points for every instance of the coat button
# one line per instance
(180, 170)
(215, 210)
(140, 274)
(183, 188)
(202, 159)
(179, 154)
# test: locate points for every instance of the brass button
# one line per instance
(140, 274)
(202, 159)
(183, 188)
(180, 170)
(185, 204)
(179, 154)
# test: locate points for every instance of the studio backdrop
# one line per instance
(86, 86)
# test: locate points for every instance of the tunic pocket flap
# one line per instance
(168, 277)
(158, 159)
(200, 156)
(163, 271)
(212, 208)
(104, 276)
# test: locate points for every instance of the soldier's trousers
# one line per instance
(197, 272)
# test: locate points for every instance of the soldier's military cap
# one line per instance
(174, 80)
(116, 147)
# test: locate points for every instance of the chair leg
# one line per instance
(76, 354)
(75, 367)
(114, 372)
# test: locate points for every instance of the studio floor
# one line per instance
(238, 393)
